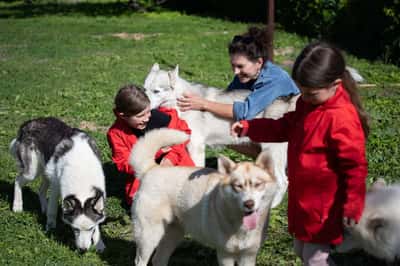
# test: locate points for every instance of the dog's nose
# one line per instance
(249, 204)
(82, 250)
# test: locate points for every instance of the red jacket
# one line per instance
(327, 167)
(122, 138)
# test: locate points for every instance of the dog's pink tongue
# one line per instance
(250, 221)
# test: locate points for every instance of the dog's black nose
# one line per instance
(249, 204)
(82, 250)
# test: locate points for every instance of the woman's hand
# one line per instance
(237, 130)
(191, 102)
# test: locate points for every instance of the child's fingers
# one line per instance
(236, 129)
(349, 222)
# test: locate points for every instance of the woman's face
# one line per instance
(140, 120)
(244, 68)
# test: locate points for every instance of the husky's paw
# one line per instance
(100, 247)
(17, 207)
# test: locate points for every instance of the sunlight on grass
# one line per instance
(68, 60)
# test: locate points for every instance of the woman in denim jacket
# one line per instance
(253, 71)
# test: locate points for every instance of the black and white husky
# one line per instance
(70, 164)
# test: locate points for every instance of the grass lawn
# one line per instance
(68, 60)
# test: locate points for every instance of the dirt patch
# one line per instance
(284, 51)
(91, 126)
(134, 36)
(287, 63)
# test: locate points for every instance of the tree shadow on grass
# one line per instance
(115, 183)
(188, 253)
(86, 9)
(30, 198)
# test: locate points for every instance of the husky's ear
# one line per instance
(264, 161)
(225, 165)
(173, 76)
(155, 67)
(379, 183)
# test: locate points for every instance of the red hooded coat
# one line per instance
(327, 167)
(122, 138)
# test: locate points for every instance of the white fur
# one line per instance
(172, 201)
(74, 173)
(378, 232)
(165, 87)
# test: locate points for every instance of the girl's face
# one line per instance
(318, 96)
(244, 68)
(138, 121)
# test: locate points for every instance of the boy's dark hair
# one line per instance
(131, 100)
(252, 44)
(319, 65)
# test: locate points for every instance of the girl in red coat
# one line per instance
(133, 119)
(327, 166)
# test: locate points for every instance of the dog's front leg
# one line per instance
(248, 259)
(225, 259)
(52, 206)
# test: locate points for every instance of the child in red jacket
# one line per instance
(327, 166)
(133, 119)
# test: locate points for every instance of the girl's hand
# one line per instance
(348, 222)
(191, 102)
(237, 130)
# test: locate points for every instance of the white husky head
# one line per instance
(162, 87)
(378, 232)
(251, 186)
(84, 218)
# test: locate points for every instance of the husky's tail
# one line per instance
(142, 154)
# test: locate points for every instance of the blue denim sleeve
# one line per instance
(263, 96)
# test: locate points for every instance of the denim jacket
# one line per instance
(272, 82)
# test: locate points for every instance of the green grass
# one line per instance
(63, 60)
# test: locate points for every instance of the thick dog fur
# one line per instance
(69, 162)
(165, 87)
(378, 232)
(226, 209)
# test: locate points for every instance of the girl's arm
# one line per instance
(178, 154)
(263, 129)
(120, 153)
(348, 144)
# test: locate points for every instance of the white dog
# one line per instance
(70, 163)
(226, 209)
(378, 232)
(165, 87)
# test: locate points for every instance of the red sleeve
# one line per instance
(348, 143)
(268, 130)
(121, 150)
(178, 154)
